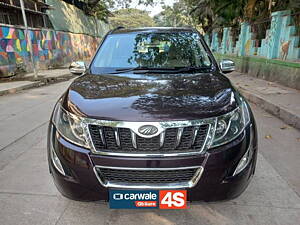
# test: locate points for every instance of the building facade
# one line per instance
(11, 14)
(59, 33)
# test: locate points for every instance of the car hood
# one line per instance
(158, 97)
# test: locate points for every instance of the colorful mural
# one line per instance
(50, 48)
(281, 41)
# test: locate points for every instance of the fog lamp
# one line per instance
(56, 162)
(245, 160)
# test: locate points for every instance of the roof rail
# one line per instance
(117, 28)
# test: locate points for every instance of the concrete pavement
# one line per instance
(28, 195)
(45, 77)
(282, 102)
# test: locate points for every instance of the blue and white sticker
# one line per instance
(127, 199)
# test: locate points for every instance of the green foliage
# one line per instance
(174, 16)
(215, 13)
(126, 3)
(131, 18)
(101, 9)
(211, 14)
(206, 14)
(98, 8)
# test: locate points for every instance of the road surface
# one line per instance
(28, 195)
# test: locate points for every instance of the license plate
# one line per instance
(141, 199)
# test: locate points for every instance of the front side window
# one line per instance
(150, 50)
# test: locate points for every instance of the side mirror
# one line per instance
(77, 68)
(227, 66)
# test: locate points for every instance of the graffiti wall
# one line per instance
(50, 49)
(75, 36)
(280, 42)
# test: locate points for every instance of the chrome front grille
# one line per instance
(170, 140)
(148, 177)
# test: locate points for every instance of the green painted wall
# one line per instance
(68, 18)
(281, 41)
(278, 57)
(285, 73)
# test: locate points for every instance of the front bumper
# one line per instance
(216, 181)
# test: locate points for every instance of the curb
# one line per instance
(24, 87)
(276, 110)
(63, 77)
(42, 82)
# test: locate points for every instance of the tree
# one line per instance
(215, 13)
(131, 18)
(174, 16)
(101, 9)
(126, 3)
(118, 3)
(207, 14)
(97, 8)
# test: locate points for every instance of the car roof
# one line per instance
(121, 30)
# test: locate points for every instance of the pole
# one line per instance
(28, 39)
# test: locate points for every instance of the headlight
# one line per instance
(70, 126)
(230, 125)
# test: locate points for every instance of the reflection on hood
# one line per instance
(151, 97)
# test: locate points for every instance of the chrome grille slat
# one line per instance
(179, 134)
(171, 140)
(195, 133)
(162, 139)
(186, 139)
(98, 139)
(133, 138)
(200, 138)
(117, 137)
(126, 139)
(110, 139)
(102, 136)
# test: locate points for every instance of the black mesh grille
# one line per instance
(170, 139)
(148, 144)
(186, 138)
(104, 139)
(96, 137)
(201, 136)
(125, 139)
(146, 176)
(110, 138)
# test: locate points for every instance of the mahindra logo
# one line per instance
(148, 130)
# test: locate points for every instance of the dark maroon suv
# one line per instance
(152, 110)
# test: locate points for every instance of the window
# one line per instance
(4, 18)
(151, 50)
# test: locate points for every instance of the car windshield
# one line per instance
(151, 51)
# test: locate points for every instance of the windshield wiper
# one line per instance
(142, 69)
(192, 69)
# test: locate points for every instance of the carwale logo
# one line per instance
(163, 199)
(126, 199)
(118, 196)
